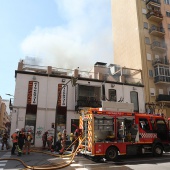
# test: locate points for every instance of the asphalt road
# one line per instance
(83, 163)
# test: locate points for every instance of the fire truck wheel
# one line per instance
(157, 150)
(111, 153)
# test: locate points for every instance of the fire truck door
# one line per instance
(146, 133)
(161, 129)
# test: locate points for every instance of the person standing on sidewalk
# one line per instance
(14, 137)
(44, 139)
(5, 141)
(28, 139)
(49, 142)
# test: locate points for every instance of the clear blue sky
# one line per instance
(60, 33)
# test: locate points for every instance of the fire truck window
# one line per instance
(144, 124)
(161, 124)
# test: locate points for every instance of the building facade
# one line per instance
(4, 116)
(47, 98)
(141, 36)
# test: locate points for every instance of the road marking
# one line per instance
(81, 169)
(73, 165)
(2, 164)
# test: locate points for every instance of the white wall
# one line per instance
(47, 100)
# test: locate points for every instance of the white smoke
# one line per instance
(84, 39)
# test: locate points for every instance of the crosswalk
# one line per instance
(4, 162)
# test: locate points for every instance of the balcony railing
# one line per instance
(157, 31)
(163, 97)
(89, 103)
(156, 45)
(161, 60)
(152, 2)
(162, 79)
(155, 16)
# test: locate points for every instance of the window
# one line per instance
(143, 11)
(144, 124)
(147, 40)
(112, 95)
(161, 91)
(156, 56)
(150, 73)
(167, 13)
(169, 27)
(145, 25)
(167, 1)
(148, 56)
(134, 100)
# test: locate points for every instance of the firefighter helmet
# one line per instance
(17, 130)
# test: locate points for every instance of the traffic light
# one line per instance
(74, 81)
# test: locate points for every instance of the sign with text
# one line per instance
(32, 97)
(62, 95)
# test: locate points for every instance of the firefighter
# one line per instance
(5, 141)
(28, 139)
(14, 137)
(58, 143)
(63, 142)
(49, 142)
(44, 139)
(21, 139)
(76, 136)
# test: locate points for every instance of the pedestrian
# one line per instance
(5, 141)
(21, 139)
(44, 139)
(14, 137)
(49, 142)
(28, 139)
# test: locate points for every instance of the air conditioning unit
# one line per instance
(152, 94)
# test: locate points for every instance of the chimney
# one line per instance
(49, 70)
(20, 65)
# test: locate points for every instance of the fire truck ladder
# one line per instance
(86, 134)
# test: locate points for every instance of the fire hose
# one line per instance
(52, 166)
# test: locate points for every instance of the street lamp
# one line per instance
(9, 94)
(73, 81)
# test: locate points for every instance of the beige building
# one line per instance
(141, 36)
(4, 117)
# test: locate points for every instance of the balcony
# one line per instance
(156, 3)
(157, 31)
(162, 61)
(155, 16)
(89, 102)
(162, 80)
(158, 46)
(163, 98)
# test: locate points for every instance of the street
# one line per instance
(82, 163)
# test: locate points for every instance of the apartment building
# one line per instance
(47, 98)
(141, 36)
(4, 116)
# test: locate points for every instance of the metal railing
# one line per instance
(155, 28)
(155, 1)
(158, 44)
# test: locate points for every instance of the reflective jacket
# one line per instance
(14, 137)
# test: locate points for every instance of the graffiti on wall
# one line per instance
(39, 131)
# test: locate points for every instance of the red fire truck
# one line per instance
(112, 133)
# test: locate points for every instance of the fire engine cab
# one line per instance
(112, 132)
